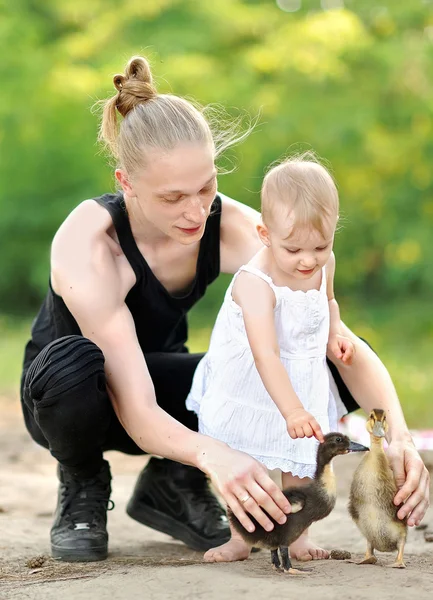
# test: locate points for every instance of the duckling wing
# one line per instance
(281, 535)
(297, 499)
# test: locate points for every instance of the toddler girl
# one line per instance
(264, 386)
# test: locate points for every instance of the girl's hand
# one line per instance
(245, 485)
(342, 348)
(301, 423)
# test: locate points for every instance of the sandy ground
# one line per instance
(146, 564)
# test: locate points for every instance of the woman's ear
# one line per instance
(263, 232)
(122, 178)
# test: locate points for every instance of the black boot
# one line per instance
(176, 500)
(79, 532)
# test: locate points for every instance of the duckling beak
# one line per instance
(354, 447)
(378, 429)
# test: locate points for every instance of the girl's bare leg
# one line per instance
(303, 548)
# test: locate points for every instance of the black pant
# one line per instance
(67, 409)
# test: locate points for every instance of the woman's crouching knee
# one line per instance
(65, 364)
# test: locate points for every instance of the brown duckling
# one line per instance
(310, 503)
(371, 503)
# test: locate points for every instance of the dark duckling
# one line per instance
(371, 501)
(310, 503)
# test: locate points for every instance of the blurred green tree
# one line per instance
(353, 83)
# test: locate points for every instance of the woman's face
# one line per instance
(174, 191)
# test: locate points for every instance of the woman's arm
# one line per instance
(334, 310)
(372, 387)
(239, 238)
(370, 384)
(338, 345)
(88, 273)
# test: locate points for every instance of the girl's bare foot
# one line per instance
(304, 549)
(235, 549)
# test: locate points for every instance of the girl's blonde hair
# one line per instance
(305, 188)
(151, 120)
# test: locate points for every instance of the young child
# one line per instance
(264, 386)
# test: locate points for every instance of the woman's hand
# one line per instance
(244, 484)
(342, 348)
(412, 479)
(301, 423)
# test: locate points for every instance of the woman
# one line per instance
(107, 368)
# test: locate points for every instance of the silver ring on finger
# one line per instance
(244, 499)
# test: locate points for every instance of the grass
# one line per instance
(402, 335)
(13, 337)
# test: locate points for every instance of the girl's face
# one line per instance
(304, 252)
(174, 192)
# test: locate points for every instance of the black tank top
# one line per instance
(159, 317)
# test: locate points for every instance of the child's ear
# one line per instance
(263, 232)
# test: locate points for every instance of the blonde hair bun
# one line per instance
(135, 86)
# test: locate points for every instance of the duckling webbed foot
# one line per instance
(369, 559)
(287, 563)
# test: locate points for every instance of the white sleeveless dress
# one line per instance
(228, 394)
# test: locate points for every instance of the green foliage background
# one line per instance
(352, 82)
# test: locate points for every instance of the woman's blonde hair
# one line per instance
(304, 187)
(151, 120)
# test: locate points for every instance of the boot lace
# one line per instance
(85, 502)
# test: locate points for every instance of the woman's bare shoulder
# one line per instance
(235, 214)
(239, 238)
(84, 249)
(87, 220)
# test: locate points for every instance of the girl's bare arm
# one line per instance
(257, 301)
